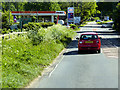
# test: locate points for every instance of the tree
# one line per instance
(37, 6)
(116, 17)
(85, 9)
(107, 8)
(82, 9)
(13, 6)
(5, 19)
(54, 6)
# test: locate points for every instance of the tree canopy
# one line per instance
(117, 17)
(82, 9)
(107, 8)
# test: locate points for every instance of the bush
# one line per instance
(96, 18)
(5, 20)
(31, 25)
(116, 18)
(56, 32)
(73, 26)
(103, 22)
(5, 31)
(0, 30)
(83, 24)
(22, 61)
(10, 30)
(36, 26)
(46, 24)
(25, 26)
(99, 23)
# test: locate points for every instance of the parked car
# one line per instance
(89, 41)
(107, 25)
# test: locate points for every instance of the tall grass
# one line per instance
(24, 57)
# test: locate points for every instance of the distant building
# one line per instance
(42, 16)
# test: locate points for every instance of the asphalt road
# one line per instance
(88, 69)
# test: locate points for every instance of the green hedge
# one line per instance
(46, 24)
(116, 18)
(103, 22)
(94, 18)
(73, 26)
(25, 56)
(83, 24)
(33, 25)
(6, 31)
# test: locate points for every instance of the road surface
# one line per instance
(86, 70)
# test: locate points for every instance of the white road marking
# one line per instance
(113, 56)
(55, 66)
(115, 46)
(53, 70)
(107, 51)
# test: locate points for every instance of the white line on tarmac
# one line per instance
(55, 66)
(113, 56)
(115, 46)
(53, 70)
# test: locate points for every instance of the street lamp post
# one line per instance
(73, 14)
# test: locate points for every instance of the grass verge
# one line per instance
(0, 62)
(83, 24)
(103, 22)
(22, 61)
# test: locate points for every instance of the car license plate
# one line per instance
(88, 41)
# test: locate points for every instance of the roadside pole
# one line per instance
(57, 19)
(67, 18)
(73, 14)
(37, 16)
(21, 24)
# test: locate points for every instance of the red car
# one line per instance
(89, 41)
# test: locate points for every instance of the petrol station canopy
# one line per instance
(39, 13)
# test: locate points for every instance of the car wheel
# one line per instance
(99, 51)
(79, 51)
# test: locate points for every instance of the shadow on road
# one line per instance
(110, 42)
(107, 33)
(73, 44)
(101, 32)
(92, 26)
(75, 52)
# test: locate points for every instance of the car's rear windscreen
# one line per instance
(88, 36)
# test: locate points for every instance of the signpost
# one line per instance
(77, 20)
(70, 15)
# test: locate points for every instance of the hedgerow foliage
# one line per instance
(25, 56)
(117, 18)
